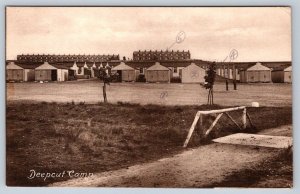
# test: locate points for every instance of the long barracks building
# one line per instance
(160, 55)
(83, 66)
(66, 58)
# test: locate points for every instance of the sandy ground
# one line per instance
(284, 130)
(192, 168)
(146, 93)
(256, 140)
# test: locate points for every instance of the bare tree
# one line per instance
(209, 82)
(106, 77)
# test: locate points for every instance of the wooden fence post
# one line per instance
(199, 125)
(198, 115)
(244, 118)
(250, 120)
(230, 117)
(220, 112)
(213, 124)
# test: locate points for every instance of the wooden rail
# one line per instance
(220, 113)
(221, 110)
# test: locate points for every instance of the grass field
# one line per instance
(142, 93)
(64, 126)
(101, 137)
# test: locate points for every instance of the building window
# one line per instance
(175, 70)
(141, 70)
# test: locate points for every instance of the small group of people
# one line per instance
(234, 84)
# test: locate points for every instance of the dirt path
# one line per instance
(197, 167)
(192, 168)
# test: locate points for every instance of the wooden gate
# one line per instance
(220, 113)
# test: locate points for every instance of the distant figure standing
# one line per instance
(226, 85)
(234, 84)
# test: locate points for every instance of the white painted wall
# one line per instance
(288, 77)
(92, 70)
(237, 77)
(76, 68)
(193, 74)
(230, 74)
(61, 74)
(177, 73)
(25, 74)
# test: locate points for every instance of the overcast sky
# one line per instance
(258, 34)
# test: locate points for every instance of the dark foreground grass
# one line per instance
(51, 137)
(271, 173)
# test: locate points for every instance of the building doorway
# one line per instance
(54, 75)
(119, 72)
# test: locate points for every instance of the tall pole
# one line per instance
(244, 118)
(104, 93)
(234, 77)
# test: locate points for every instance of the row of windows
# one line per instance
(20, 57)
(162, 54)
(175, 70)
(161, 51)
(226, 72)
(68, 55)
(60, 58)
(159, 58)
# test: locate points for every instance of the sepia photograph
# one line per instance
(149, 97)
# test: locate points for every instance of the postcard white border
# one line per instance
(296, 90)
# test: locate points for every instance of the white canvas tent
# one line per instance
(47, 72)
(257, 73)
(126, 72)
(288, 74)
(14, 72)
(192, 74)
(158, 73)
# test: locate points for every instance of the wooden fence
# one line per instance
(220, 113)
